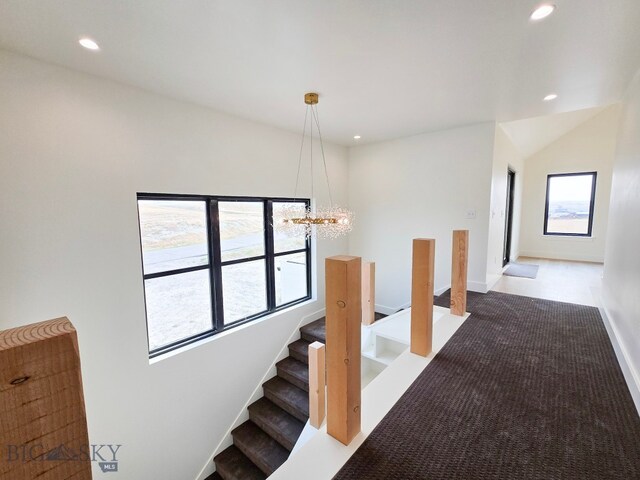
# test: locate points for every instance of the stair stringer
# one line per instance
(243, 414)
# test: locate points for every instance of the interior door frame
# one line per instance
(508, 229)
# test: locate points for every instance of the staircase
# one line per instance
(264, 442)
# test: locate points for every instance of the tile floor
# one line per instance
(560, 280)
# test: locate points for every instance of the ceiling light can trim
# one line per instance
(542, 11)
(89, 43)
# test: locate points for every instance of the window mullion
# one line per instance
(269, 252)
(308, 247)
(216, 267)
(592, 203)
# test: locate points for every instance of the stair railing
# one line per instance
(343, 319)
(459, 260)
(317, 383)
(424, 251)
(368, 293)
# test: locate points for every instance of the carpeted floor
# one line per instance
(525, 389)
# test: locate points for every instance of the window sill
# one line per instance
(568, 237)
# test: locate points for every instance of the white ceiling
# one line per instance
(384, 68)
(533, 134)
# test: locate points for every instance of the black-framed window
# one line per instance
(211, 263)
(570, 203)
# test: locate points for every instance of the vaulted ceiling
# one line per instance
(531, 135)
(383, 68)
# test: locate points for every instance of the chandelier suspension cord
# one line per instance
(314, 114)
(311, 149)
(326, 221)
(304, 129)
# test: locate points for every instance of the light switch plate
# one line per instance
(470, 215)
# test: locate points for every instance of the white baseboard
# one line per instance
(472, 286)
(492, 279)
(575, 257)
(390, 310)
(630, 373)
(440, 291)
(480, 287)
(243, 415)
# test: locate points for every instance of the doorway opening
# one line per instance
(508, 230)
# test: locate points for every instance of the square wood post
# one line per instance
(422, 296)
(42, 402)
(368, 293)
(316, 384)
(344, 314)
(459, 260)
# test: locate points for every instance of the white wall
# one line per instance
(421, 186)
(74, 150)
(505, 157)
(621, 284)
(589, 147)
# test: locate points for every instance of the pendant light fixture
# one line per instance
(329, 221)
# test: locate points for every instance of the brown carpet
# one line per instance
(525, 389)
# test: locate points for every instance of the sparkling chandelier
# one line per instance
(328, 222)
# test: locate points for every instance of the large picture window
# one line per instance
(569, 204)
(212, 263)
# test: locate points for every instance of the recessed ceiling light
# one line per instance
(89, 44)
(543, 11)
(551, 96)
(356, 137)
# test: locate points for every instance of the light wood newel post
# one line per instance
(368, 293)
(43, 415)
(459, 260)
(316, 384)
(422, 296)
(344, 314)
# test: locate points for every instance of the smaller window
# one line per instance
(569, 204)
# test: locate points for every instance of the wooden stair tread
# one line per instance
(290, 398)
(282, 426)
(314, 331)
(380, 316)
(294, 372)
(300, 350)
(214, 476)
(259, 447)
(232, 464)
